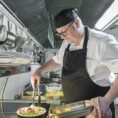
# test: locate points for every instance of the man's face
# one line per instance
(69, 32)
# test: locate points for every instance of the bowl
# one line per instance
(52, 87)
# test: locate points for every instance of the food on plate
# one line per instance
(57, 93)
(56, 111)
(67, 109)
(31, 111)
(87, 103)
(60, 110)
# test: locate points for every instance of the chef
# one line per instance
(89, 59)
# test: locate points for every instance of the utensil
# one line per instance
(33, 97)
(34, 93)
(39, 97)
(36, 89)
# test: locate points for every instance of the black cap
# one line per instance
(65, 16)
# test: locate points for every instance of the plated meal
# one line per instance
(31, 111)
(60, 110)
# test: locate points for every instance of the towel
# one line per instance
(95, 112)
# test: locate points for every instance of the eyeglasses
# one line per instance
(65, 32)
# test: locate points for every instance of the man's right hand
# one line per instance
(47, 67)
(35, 78)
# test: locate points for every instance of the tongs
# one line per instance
(33, 97)
(35, 89)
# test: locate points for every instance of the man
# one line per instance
(88, 59)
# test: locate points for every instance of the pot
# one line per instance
(11, 41)
(20, 112)
(7, 38)
(3, 34)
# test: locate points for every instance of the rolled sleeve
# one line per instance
(110, 54)
(56, 59)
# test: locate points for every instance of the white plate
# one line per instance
(43, 111)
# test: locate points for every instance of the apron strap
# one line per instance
(67, 48)
(86, 36)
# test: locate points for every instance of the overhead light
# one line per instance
(109, 15)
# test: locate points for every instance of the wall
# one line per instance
(14, 85)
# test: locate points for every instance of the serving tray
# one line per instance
(72, 110)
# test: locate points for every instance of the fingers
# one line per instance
(101, 105)
(35, 80)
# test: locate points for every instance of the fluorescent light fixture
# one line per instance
(111, 13)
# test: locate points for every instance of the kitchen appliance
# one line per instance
(8, 56)
(16, 42)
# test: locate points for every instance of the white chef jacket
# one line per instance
(102, 56)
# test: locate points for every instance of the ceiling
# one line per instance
(36, 14)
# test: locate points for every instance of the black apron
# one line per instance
(76, 83)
